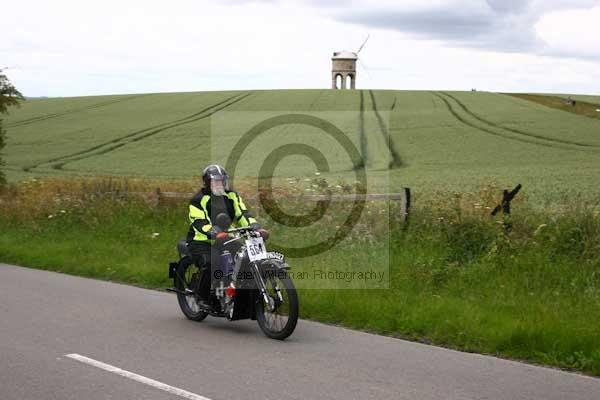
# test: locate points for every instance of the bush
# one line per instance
(2, 177)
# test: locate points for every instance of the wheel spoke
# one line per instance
(276, 320)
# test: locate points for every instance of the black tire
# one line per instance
(288, 309)
(190, 274)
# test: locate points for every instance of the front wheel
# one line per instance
(278, 318)
(188, 280)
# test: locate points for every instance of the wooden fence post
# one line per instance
(405, 204)
(158, 195)
(505, 207)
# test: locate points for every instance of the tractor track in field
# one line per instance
(40, 118)
(138, 135)
(502, 135)
(514, 130)
(396, 161)
(205, 113)
(363, 136)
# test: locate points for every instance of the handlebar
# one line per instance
(242, 229)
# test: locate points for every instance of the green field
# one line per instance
(433, 141)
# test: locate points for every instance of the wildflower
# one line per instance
(317, 173)
(50, 216)
(63, 211)
(155, 235)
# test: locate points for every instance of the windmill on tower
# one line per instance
(343, 68)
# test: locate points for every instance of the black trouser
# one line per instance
(208, 259)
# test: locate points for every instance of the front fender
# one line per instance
(274, 263)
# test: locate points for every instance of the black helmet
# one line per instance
(215, 171)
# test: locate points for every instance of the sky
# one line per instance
(78, 48)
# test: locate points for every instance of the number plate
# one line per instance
(256, 249)
(276, 256)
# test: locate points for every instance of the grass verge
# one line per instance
(457, 279)
(580, 108)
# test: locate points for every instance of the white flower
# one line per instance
(155, 235)
(50, 216)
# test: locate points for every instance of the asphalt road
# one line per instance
(45, 316)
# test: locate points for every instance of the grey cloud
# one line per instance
(508, 6)
(497, 25)
(451, 24)
(478, 28)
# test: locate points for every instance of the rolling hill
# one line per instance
(427, 140)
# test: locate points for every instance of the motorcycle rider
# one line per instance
(205, 238)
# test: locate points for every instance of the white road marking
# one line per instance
(137, 378)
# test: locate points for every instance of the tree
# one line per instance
(9, 96)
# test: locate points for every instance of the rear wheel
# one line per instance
(278, 318)
(188, 281)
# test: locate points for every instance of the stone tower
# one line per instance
(343, 65)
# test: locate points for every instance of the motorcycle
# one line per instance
(251, 284)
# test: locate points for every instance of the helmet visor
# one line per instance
(218, 184)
